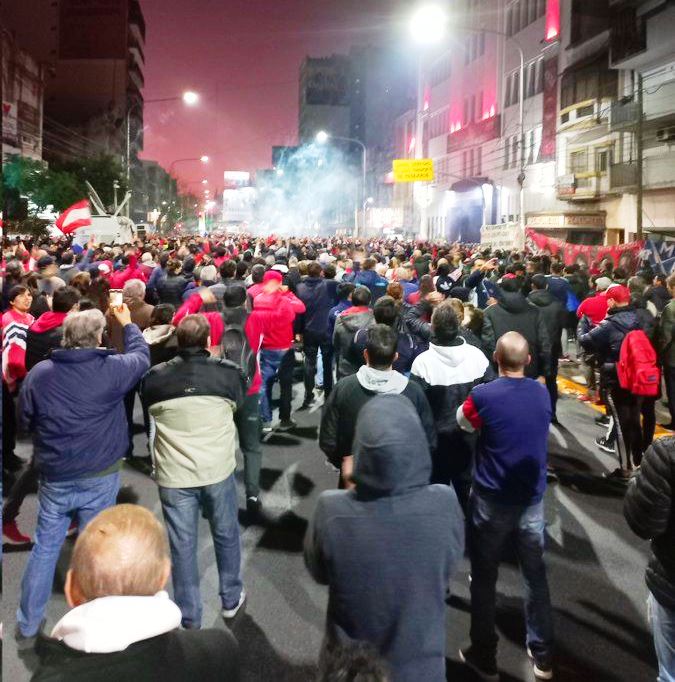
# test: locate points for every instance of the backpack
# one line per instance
(236, 349)
(638, 367)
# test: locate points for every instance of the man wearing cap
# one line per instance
(49, 280)
(595, 307)
(605, 341)
(276, 355)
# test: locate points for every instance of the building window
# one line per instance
(541, 8)
(464, 162)
(479, 161)
(523, 14)
(509, 20)
(539, 85)
(466, 111)
(507, 149)
(579, 161)
(479, 108)
(603, 158)
(473, 108)
(514, 151)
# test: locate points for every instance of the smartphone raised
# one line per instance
(116, 298)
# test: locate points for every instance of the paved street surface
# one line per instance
(596, 569)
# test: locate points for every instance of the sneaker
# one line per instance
(231, 613)
(602, 420)
(286, 425)
(605, 445)
(253, 506)
(72, 530)
(266, 427)
(483, 667)
(13, 537)
(542, 669)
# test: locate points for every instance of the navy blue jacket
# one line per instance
(316, 294)
(605, 340)
(395, 532)
(376, 284)
(73, 404)
(559, 287)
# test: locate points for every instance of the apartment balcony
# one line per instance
(585, 114)
(623, 176)
(583, 186)
(623, 115)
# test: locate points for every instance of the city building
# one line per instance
(97, 78)
(324, 97)
(22, 99)
(154, 189)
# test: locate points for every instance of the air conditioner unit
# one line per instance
(666, 134)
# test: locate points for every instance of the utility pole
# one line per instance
(639, 144)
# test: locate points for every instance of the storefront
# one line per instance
(574, 227)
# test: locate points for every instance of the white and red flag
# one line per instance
(77, 215)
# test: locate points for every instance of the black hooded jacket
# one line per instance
(552, 311)
(388, 548)
(649, 508)
(605, 340)
(514, 314)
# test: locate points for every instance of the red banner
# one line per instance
(550, 119)
(623, 255)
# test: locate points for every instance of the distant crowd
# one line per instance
(436, 369)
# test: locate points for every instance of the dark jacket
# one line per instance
(605, 340)
(73, 404)
(665, 336)
(43, 336)
(161, 338)
(171, 289)
(346, 400)
(370, 279)
(315, 293)
(393, 531)
(514, 313)
(553, 313)
(407, 349)
(649, 508)
(559, 287)
(659, 296)
(645, 317)
(416, 320)
(176, 656)
(346, 325)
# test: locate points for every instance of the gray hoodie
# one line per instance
(388, 549)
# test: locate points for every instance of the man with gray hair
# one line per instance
(73, 404)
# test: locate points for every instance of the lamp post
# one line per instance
(366, 203)
(428, 26)
(203, 159)
(322, 137)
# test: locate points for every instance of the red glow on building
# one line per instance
(427, 99)
(411, 145)
(552, 19)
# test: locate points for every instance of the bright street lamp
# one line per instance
(190, 98)
(322, 137)
(204, 158)
(205, 181)
(428, 24)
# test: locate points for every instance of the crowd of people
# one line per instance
(435, 367)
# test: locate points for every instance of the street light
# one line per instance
(203, 159)
(322, 137)
(190, 98)
(428, 24)
(205, 181)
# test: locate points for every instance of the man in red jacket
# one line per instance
(277, 356)
(130, 271)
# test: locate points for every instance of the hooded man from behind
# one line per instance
(388, 548)
(347, 323)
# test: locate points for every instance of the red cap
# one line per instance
(618, 294)
(509, 275)
(271, 275)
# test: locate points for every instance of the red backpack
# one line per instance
(638, 367)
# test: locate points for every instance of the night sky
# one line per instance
(243, 57)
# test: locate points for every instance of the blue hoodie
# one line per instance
(74, 405)
(388, 548)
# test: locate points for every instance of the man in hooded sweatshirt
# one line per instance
(388, 548)
(122, 624)
(376, 377)
(512, 312)
(447, 372)
(553, 313)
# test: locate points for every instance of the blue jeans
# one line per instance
(275, 363)
(662, 621)
(58, 505)
(491, 527)
(181, 508)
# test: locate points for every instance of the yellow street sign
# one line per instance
(413, 170)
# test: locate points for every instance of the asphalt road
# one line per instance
(596, 569)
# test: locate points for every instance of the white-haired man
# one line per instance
(73, 404)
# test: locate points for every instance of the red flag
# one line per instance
(76, 216)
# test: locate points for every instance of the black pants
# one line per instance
(8, 423)
(25, 484)
(129, 401)
(312, 343)
(635, 418)
(552, 381)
